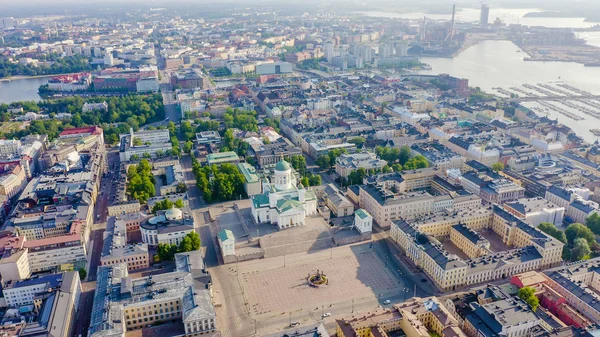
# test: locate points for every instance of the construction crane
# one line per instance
(451, 31)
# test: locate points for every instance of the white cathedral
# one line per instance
(283, 202)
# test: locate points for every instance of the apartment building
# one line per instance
(14, 260)
(13, 181)
(61, 253)
(347, 163)
(579, 210)
(141, 142)
(573, 282)
(393, 196)
(270, 154)
(530, 248)
(536, 210)
(438, 155)
(10, 147)
(122, 208)
(175, 179)
(116, 249)
(417, 317)
(506, 317)
(19, 293)
(491, 187)
(55, 214)
(58, 307)
(123, 303)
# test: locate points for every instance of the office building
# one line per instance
(346, 163)
(485, 15)
(116, 249)
(167, 227)
(530, 248)
(417, 317)
(142, 142)
(536, 210)
(123, 303)
(506, 317)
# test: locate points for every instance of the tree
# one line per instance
(404, 154)
(298, 162)
(137, 142)
(324, 161)
(578, 230)
(185, 245)
(396, 167)
(187, 147)
(527, 294)
(593, 223)
(334, 154)
(181, 187)
(162, 205)
(358, 141)
(551, 230)
(82, 274)
(497, 167)
(166, 252)
(314, 180)
(140, 182)
(195, 240)
(390, 154)
(356, 177)
(386, 169)
(178, 203)
(581, 250)
(228, 139)
(219, 183)
(595, 247)
(304, 181)
(417, 162)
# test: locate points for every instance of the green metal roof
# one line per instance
(286, 205)
(260, 200)
(249, 172)
(222, 157)
(362, 213)
(226, 234)
(282, 166)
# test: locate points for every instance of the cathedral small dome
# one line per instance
(282, 166)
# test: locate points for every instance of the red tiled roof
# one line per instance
(93, 130)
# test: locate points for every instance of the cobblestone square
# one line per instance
(352, 272)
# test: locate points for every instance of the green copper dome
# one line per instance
(282, 166)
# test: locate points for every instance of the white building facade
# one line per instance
(283, 202)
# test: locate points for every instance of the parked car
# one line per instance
(295, 324)
(387, 302)
(327, 314)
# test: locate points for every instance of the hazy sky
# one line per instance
(25, 8)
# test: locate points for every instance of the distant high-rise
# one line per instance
(386, 50)
(8, 23)
(485, 15)
(329, 51)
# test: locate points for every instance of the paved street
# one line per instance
(197, 205)
(95, 244)
(85, 308)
